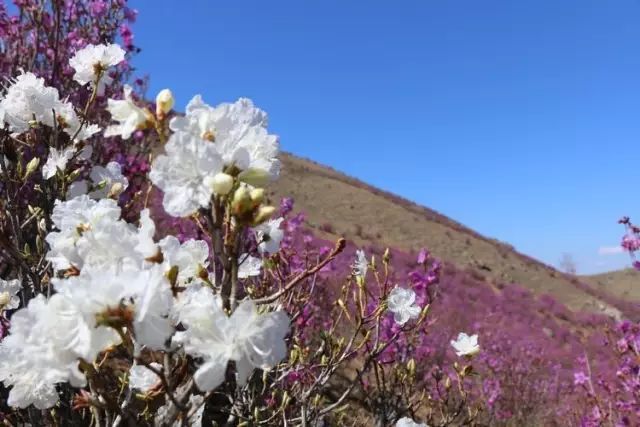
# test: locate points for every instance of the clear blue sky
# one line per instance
(520, 119)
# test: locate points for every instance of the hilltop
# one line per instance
(338, 205)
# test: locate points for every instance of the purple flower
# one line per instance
(423, 255)
(579, 378)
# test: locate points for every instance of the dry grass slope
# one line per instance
(336, 204)
(622, 284)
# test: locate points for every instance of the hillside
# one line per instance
(622, 283)
(336, 204)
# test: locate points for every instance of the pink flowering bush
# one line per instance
(631, 240)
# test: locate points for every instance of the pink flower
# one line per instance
(579, 378)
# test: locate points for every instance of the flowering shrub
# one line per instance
(147, 279)
(108, 319)
(631, 240)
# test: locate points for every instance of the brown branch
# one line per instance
(337, 249)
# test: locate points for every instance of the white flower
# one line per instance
(68, 215)
(67, 117)
(408, 422)
(401, 302)
(195, 420)
(87, 130)
(142, 378)
(91, 233)
(28, 99)
(152, 324)
(269, 235)
(10, 289)
(129, 116)
(92, 61)
(258, 339)
(57, 160)
(183, 173)
(146, 245)
(146, 294)
(250, 339)
(73, 218)
(96, 289)
(106, 179)
(35, 356)
(77, 188)
(466, 345)
(190, 257)
(250, 266)
(238, 131)
(361, 265)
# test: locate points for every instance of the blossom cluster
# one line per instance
(113, 283)
(631, 240)
(150, 276)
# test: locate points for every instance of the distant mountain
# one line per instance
(337, 205)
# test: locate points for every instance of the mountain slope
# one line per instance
(339, 205)
(622, 284)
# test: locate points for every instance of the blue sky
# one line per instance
(520, 119)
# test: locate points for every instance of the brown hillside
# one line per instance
(339, 205)
(622, 284)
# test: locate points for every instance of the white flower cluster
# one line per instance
(211, 141)
(118, 279)
(238, 131)
(104, 181)
(251, 339)
(112, 278)
(28, 101)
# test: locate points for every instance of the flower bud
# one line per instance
(257, 196)
(31, 167)
(264, 213)
(39, 244)
(221, 183)
(4, 299)
(411, 367)
(241, 202)
(255, 177)
(74, 174)
(164, 102)
(42, 226)
(467, 370)
(100, 185)
(116, 190)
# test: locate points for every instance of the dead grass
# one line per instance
(339, 205)
(623, 284)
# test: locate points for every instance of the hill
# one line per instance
(622, 283)
(338, 205)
